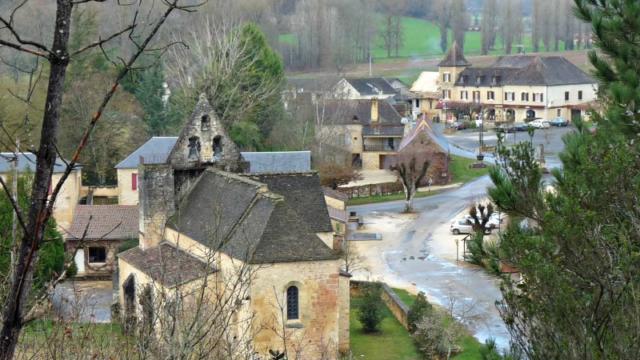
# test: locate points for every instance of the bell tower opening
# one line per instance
(205, 123)
(194, 148)
(217, 148)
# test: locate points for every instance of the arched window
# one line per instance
(292, 303)
(204, 122)
(194, 148)
(217, 147)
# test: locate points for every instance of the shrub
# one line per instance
(371, 307)
(437, 336)
(420, 308)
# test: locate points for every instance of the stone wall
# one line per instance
(323, 306)
(156, 202)
(398, 308)
(96, 269)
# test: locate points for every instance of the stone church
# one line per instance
(203, 217)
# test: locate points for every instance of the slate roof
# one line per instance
(167, 265)
(260, 218)
(346, 112)
(278, 161)
(422, 127)
(157, 149)
(334, 194)
(525, 70)
(303, 193)
(371, 86)
(454, 57)
(106, 222)
(26, 162)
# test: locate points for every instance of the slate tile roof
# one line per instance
(371, 86)
(26, 161)
(157, 149)
(334, 194)
(346, 112)
(454, 57)
(260, 219)
(525, 70)
(167, 264)
(106, 222)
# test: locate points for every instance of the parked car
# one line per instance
(504, 128)
(559, 122)
(458, 125)
(494, 220)
(540, 124)
(520, 126)
(461, 226)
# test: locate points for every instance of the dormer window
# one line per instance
(205, 123)
(478, 80)
(194, 148)
(217, 148)
(495, 80)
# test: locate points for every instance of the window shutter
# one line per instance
(134, 182)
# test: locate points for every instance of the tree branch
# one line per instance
(100, 42)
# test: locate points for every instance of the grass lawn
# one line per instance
(391, 197)
(470, 345)
(461, 172)
(391, 342)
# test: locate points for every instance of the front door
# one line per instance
(79, 260)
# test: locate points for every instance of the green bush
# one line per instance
(371, 308)
(420, 308)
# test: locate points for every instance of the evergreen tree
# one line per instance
(580, 253)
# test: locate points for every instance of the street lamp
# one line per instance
(480, 156)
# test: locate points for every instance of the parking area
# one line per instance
(84, 301)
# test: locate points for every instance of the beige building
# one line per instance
(513, 88)
(427, 94)
(69, 195)
(366, 132)
(202, 217)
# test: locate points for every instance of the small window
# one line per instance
(134, 182)
(541, 97)
(558, 112)
(97, 255)
(205, 122)
(491, 95)
(566, 96)
(580, 95)
(217, 147)
(292, 303)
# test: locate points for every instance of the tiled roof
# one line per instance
(525, 70)
(334, 194)
(105, 222)
(157, 149)
(383, 130)
(422, 128)
(167, 265)
(278, 161)
(259, 218)
(26, 162)
(371, 86)
(359, 112)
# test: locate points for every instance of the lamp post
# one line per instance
(480, 156)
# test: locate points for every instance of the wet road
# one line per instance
(417, 256)
(84, 301)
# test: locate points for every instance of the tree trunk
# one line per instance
(20, 284)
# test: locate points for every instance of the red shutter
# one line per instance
(134, 182)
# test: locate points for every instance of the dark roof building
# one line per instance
(371, 86)
(454, 57)
(526, 70)
(385, 122)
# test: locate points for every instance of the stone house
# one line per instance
(367, 132)
(513, 88)
(202, 214)
(69, 195)
(337, 206)
(427, 95)
(420, 141)
(96, 234)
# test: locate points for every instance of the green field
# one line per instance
(422, 40)
(461, 172)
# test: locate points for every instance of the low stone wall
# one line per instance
(398, 308)
(372, 190)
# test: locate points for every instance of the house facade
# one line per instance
(203, 216)
(69, 195)
(513, 88)
(427, 95)
(96, 235)
(366, 131)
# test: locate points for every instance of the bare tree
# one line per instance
(489, 25)
(411, 168)
(141, 31)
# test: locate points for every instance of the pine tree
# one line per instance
(580, 253)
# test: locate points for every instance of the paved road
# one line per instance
(415, 257)
(84, 301)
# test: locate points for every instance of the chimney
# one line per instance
(375, 116)
(156, 199)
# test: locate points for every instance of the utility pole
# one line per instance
(370, 69)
